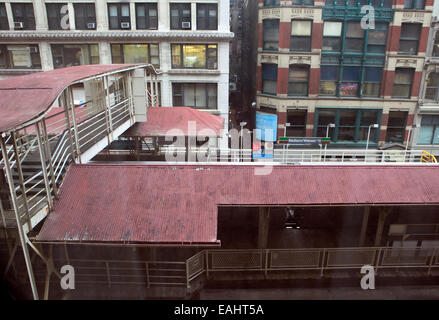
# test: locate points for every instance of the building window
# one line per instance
(180, 16)
(119, 16)
(372, 82)
(23, 16)
(328, 80)
(409, 39)
(194, 56)
(146, 16)
(402, 85)
(303, 2)
(376, 42)
(271, 34)
(207, 16)
(396, 126)
(269, 79)
(432, 90)
(4, 24)
(436, 45)
(85, 16)
(298, 77)
(350, 81)
(20, 57)
(300, 35)
(67, 55)
(195, 95)
(332, 36)
(297, 121)
(354, 37)
(271, 2)
(351, 125)
(429, 131)
(414, 4)
(55, 13)
(136, 53)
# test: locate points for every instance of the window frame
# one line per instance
(181, 46)
(54, 23)
(28, 20)
(122, 55)
(396, 127)
(4, 23)
(433, 126)
(268, 3)
(7, 57)
(291, 82)
(89, 17)
(295, 127)
(403, 39)
(334, 133)
(208, 20)
(195, 84)
(149, 25)
(309, 48)
(54, 46)
(264, 41)
(180, 7)
(266, 79)
(412, 4)
(402, 83)
(435, 88)
(121, 19)
(302, 2)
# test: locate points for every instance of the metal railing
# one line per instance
(406, 231)
(285, 156)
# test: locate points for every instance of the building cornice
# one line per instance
(34, 35)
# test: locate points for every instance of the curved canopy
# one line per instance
(25, 98)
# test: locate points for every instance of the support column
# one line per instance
(264, 222)
(21, 233)
(383, 213)
(364, 226)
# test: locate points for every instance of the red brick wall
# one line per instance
(423, 39)
(259, 78)
(310, 121)
(317, 31)
(429, 2)
(393, 39)
(387, 84)
(410, 119)
(282, 80)
(260, 35)
(384, 121)
(314, 80)
(284, 35)
(416, 84)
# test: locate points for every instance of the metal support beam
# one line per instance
(156, 89)
(20, 179)
(264, 222)
(383, 213)
(49, 268)
(364, 226)
(75, 125)
(49, 157)
(43, 165)
(66, 113)
(11, 258)
(21, 233)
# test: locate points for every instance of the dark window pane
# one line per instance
(331, 44)
(351, 73)
(373, 74)
(329, 73)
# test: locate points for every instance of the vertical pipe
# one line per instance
(156, 84)
(49, 157)
(43, 165)
(110, 121)
(21, 233)
(20, 178)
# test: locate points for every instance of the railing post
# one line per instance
(67, 117)
(267, 251)
(20, 179)
(43, 165)
(187, 274)
(323, 262)
(377, 263)
(207, 263)
(110, 121)
(21, 233)
(75, 126)
(49, 157)
(432, 259)
(147, 274)
(108, 274)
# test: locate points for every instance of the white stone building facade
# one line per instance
(186, 40)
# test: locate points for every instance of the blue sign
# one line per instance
(266, 126)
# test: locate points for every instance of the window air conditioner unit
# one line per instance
(18, 25)
(91, 25)
(125, 25)
(33, 49)
(185, 25)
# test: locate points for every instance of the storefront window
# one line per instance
(429, 131)
(194, 56)
(67, 55)
(20, 57)
(136, 53)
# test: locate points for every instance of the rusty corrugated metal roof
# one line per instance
(178, 204)
(163, 121)
(26, 97)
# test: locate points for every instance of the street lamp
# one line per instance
(408, 138)
(330, 125)
(375, 126)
